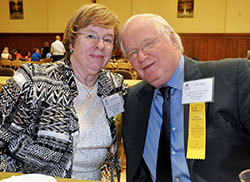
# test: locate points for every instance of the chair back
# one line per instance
(5, 63)
(124, 65)
(45, 60)
(7, 72)
(138, 77)
(109, 66)
(126, 74)
(17, 63)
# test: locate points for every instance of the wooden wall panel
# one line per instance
(214, 46)
(204, 46)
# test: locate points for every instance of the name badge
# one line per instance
(198, 91)
(113, 105)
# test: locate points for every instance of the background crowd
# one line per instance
(55, 52)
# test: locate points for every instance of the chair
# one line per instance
(45, 60)
(35, 62)
(138, 77)
(123, 65)
(17, 63)
(5, 63)
(7, 72)
(109, 66)
(126, 74)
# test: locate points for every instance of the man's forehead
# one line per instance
(141, 21)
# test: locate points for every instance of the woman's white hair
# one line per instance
(161, 25)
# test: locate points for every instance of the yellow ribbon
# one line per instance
(197, 131)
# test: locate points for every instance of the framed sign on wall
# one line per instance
(16, 9)
(185, 9)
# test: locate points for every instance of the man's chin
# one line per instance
(154, 82)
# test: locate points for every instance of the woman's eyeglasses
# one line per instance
(93, 38)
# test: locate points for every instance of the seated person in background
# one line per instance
(12, 52)
(53, 119)
(45, 50)
(27, 56)
(36, 56)
(5, 54)
(57, 49)
(48, 55)
(18, 55)
(204, 142)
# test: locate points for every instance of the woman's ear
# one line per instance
(70, 47)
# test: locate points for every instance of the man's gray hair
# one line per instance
(161, 25)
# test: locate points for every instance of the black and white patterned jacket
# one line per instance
(37, 119)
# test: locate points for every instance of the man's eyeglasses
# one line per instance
(93, 38)
(147, 45)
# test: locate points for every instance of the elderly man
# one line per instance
(199, 130)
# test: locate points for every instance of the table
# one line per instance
(3, 79)
(131, 82)
(4, 175)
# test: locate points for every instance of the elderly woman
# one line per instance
(53, 117)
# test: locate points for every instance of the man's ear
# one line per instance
(173, 39)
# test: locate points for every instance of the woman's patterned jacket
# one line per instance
(37, 119)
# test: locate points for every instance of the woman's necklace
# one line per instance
(88, 90)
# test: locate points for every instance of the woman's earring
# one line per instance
(71, 51)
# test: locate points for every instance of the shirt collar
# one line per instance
(177, 79)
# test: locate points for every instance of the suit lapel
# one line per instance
(138, 133)
(145, 96)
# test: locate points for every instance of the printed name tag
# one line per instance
(113, 105)
(198, 91)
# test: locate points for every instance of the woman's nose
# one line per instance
(100, 44)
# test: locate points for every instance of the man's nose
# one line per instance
(142, 56)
